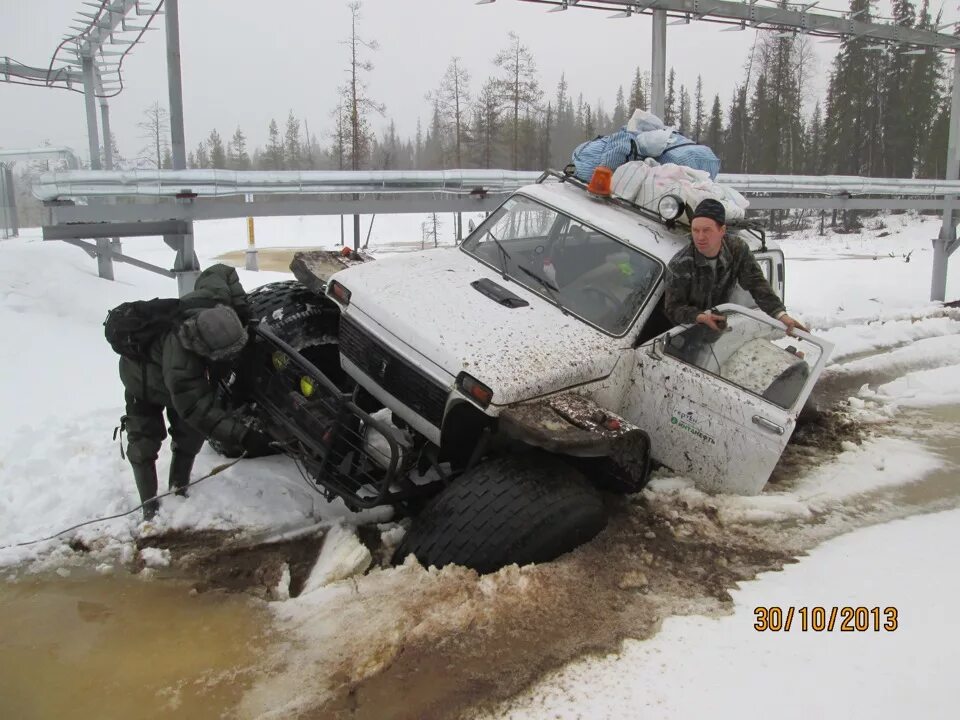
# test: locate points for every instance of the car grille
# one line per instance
(394, 374)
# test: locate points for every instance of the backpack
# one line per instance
(131, 327)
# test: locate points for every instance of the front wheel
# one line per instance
(522, 510)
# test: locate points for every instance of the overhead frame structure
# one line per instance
(800, 18)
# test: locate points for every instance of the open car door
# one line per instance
(720, 406)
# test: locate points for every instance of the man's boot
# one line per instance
(145, 475)
(180, 467)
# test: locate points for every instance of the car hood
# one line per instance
(425, 307)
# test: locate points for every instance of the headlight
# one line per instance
(474, 389)
(670, 207)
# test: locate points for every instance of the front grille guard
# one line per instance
(325, 429)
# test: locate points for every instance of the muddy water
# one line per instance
(119, 647)
(273, 259)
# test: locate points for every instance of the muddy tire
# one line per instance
(225, 449)
(296, 314)
(520, 510)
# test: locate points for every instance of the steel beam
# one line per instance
(71, 231)
(175, 85)
(658, 74)
(212, 210)
(946, 242)
(796, 15)
(92, 249)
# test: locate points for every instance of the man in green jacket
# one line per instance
(180, 377)
(703, 274)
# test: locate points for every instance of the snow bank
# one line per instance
(708, 667)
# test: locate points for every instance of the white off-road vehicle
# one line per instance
(509, 378)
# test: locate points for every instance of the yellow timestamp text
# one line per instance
(826, 619)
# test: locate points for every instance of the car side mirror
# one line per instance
(471, 225)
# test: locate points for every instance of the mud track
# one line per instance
(411, 643)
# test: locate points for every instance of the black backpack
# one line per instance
(131, 327)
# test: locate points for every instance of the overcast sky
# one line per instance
(247, 61)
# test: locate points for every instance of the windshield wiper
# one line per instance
(503, 251)
(545, 284)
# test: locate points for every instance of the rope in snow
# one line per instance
(216, 471)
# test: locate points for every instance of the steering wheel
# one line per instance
(608, 298)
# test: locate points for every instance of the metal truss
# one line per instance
(791, 18)
(104, 36)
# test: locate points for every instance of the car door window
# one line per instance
(751, 355)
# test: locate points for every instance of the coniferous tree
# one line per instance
(237, 157)
(357, 103)
(714, 128)
(273, 156)
(698, 110)
(218, 156)
(899, 135)
(292, 147)
(925, 103)
(638, 92)
(518, 87)
(452, 101)
(487, 119)
(619, 110)
(684, 114)
(670, 101)
(813, 164)
(734, 147)
(851, 141)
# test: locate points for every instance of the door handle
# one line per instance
(767, 424)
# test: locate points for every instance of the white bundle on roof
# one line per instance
(645, 182)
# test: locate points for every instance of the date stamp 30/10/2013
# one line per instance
(825, 619)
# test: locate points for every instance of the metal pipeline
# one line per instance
(224, 183)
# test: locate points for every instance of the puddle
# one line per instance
(118, 647)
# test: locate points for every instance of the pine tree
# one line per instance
(519, 88)
(218, 156)
(292, 149)
(487, 115)
(899, 138)
(357, 104)
(698, 110)
(684, 115)
(273, 157)
(619, 110)
(851, 126)
(670, 101)
(714, 127)
(453, 99)
(925, 102)
(201, 159)
(638, 92)
(734, 145)
(814, 155)
(238, 159)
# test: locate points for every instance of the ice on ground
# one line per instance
(924, 388)
(341, 556)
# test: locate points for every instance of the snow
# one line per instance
(714, 667)
(897, 354)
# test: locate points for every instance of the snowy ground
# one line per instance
(896, 359)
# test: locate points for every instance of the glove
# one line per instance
(258, 444)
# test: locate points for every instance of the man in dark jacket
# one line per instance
(180, 376)
(703, 274)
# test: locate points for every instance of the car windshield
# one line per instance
(579, 268)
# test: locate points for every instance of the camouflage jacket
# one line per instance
(176, 377)
(693, 286)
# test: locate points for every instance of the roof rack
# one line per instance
(753, 228)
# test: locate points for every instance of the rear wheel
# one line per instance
(522, 509)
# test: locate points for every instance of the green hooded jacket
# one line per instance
(178, 377)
